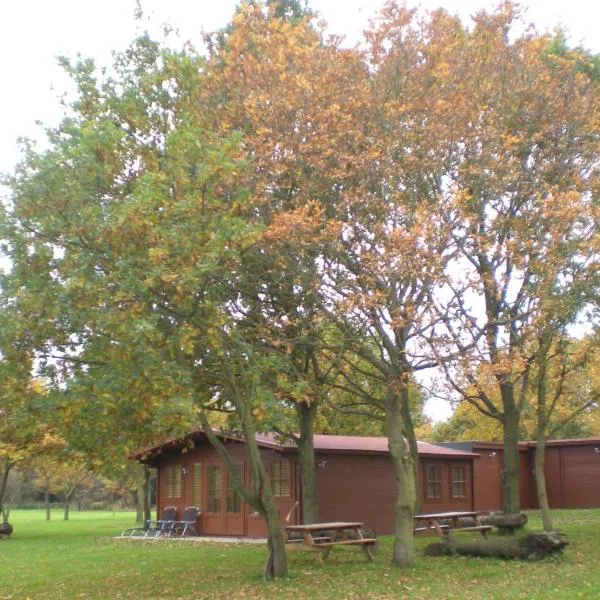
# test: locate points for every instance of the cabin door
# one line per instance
(224, 508)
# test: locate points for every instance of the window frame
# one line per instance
(461, 482)
(439, 482)
(231, 496)
(276, 484)
(174, 481)
(219, 487)
(197, 485)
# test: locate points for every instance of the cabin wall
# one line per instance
(356, 488)
(363, 488)
(488, 477)
(580, 474)
(242, 522)
(572, 476)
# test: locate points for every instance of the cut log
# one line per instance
(533, 546)
(506, 524)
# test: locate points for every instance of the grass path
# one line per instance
(78, 559)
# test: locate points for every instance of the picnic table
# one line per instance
(320, 538)
(432, 523)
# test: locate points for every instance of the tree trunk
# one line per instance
(409, 432)
(541, 426)
(3, 485)
(276, 565)
(139, 496)
(403, 550)
(139, 503)
(47, 500)
(540, 482)
(260, 496)
(511, 503)
(146, 487)
(68, 498)
(306, 460)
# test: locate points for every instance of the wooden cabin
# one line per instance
(354, 478)
(572, 469)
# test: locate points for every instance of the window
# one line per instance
(281, 480)
(458, 482)
(234, 504)
(197, 485)
(213, 489)
(173, 477)
(433, 488)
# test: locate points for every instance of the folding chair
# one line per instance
(187, 525)
(150, 527)
(163, 526)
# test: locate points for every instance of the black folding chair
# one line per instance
(151, 527)
(164, 526)
(187, 525)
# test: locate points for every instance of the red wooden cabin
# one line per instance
(572, 470)
(355, 481)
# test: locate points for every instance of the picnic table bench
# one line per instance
(321, 538)
(432, 523)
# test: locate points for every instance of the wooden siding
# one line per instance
(486, 475)
(363, 488)
(572, 476)
(572, 470)
(244, 523)
(356, 488)
(349, 487)
(580, 471)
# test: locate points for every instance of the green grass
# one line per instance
(78, 559)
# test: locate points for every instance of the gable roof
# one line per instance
(339, 444)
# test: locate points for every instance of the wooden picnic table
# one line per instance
(320, 538)
(432, 523)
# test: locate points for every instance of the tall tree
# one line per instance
(519, 203)
(391, 250)
(137, 221)
(273, 77)
(25, 428)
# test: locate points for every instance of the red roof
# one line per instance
(348, 444)
(379, 445)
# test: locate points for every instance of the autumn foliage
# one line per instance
(278, 221)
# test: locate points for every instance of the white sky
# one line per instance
(34, 32)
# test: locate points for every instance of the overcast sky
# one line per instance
(34, 32)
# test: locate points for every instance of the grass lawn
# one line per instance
(78, 559)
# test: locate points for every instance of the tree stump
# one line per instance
(5, 530)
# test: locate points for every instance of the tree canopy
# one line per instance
(277, 227)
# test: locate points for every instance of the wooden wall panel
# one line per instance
(526, 483)
(356, 488)
(553, 473)
(580, 468)
(363, 488)
(487, 480)
(248, 523)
